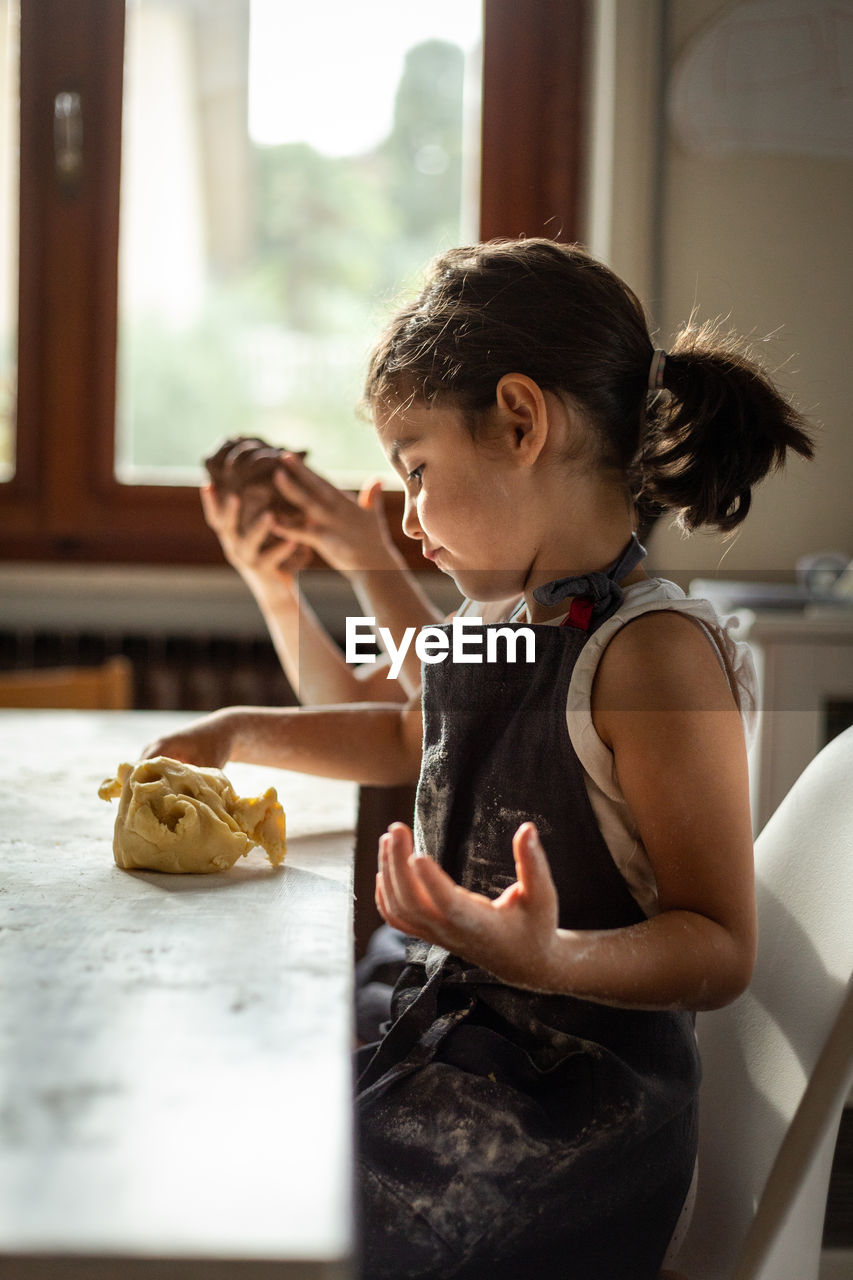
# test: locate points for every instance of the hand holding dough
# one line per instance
(177, 817)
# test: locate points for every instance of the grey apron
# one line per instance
(505, 1135)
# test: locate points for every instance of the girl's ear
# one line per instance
(523, 415)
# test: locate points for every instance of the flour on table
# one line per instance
(180, 818)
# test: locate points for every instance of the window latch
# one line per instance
(68, 140)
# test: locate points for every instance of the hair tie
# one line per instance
(656, 369)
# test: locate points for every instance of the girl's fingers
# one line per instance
(291, 489)
(442, 890)
(320, 503)
(309, 480)
(372, 498)
(381, 895)
(220, 513)
(253, 539)
(223, 515)
(303, 487)
(387, 914)
(387, 898)
(309, 522)
(291, 555)
(292, 532)
(531, 864)
(409, 894)
(209, 504)
(284, 556)
(385, 883)
(369, 494)
(397, 851)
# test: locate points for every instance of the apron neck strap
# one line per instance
(595, 595)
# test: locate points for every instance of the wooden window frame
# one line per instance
(64, 503)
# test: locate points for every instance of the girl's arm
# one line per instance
(374, 744)
(353, 538)
(662, 704)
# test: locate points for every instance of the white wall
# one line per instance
(732, 191)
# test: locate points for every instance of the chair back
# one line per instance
(108, 687)
(791, 1027)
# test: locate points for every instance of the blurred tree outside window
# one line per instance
(285, 174)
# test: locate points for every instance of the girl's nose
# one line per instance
(411, 524)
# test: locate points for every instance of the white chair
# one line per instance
(778, 1063)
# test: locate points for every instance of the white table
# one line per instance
(174, 1050)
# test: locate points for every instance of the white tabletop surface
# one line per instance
(174, 1050)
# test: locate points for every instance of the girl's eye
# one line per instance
(416, 476)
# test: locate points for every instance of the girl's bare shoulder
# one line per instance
(661, 660)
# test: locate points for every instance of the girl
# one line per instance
(580, 877)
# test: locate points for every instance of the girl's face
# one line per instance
(466, 502)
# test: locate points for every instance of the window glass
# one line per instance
(286, 170)
(9, 147)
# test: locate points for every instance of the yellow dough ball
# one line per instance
(180, 818)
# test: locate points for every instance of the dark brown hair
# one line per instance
(554, 313)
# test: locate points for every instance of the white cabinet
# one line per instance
(805, 669)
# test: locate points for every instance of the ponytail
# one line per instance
(718, 427)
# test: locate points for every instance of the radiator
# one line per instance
(170, 672)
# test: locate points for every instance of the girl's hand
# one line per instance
(350, 535)
(207, 742)
(260, 565)
(513, 936)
